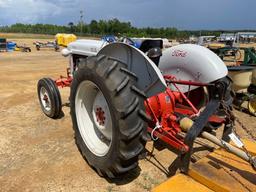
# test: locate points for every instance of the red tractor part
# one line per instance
(64, 81)
(167, 109)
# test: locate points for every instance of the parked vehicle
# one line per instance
(120, 98)
(49, 44)
(244, 85)
(3, 44)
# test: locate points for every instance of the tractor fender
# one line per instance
(150, 80)
(192, 63)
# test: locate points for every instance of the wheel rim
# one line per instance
(252, 106)
(93, 118)
(45, 99)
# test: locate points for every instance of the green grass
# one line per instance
(37, 36)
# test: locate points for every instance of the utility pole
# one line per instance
(81, 21)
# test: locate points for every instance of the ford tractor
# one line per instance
(123, 96)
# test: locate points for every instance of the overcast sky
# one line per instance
(182, 14)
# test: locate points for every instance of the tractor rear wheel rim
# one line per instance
(93, 118)
(46, 102)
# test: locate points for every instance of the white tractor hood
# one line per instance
(86, 47)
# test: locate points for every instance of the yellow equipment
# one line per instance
(220, 171)
(63, 39)
(216, 45)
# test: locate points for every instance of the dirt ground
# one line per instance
(38, 153)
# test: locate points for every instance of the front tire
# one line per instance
(49, 98)
(106, 111)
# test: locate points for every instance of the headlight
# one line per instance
(65, 52)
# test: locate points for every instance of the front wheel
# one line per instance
(106, 111)
(49, 97)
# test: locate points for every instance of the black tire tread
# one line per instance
(129, 72)
(123, 84)
(132, 106)
(128, 155)
(57, 98)
(111, 68)
(133, 132)
(139, 92)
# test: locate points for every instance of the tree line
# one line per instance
(103, 27)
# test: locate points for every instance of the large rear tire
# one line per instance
(107, 113)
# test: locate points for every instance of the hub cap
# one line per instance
(46, 102)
